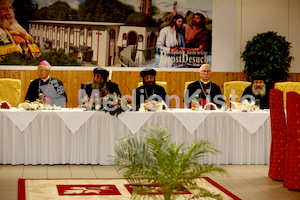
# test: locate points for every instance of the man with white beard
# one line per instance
(258, 90)
(13, 37)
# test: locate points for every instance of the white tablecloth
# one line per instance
(73, 136)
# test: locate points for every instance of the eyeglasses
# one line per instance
(205, 71)
(41, 70)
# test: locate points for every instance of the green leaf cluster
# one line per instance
(89, 10)
(103, 10)
(154, 160)
(268, 53)
(54, 57)
(59, 10)
(58, 57)
(19, 59)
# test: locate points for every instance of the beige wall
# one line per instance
(237, 21)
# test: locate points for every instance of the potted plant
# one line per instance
(268, 53)
(153, 160)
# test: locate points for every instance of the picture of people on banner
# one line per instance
(185, 40)
(13, 37)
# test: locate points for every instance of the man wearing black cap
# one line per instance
(258, 91)
(100, 83)
(149, 90)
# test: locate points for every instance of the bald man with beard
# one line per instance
(11, 27)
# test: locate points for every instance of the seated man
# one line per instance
(149, 90)
(204, 89)
(100, 83)
(51, 88)
(258, 92)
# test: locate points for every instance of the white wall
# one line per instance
(237, 21)
(294, 33)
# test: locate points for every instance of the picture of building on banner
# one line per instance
(114, 33)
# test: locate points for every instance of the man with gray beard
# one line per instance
(100, 83)
(13, 37)
(258, 90)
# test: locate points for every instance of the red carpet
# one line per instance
(116, 189)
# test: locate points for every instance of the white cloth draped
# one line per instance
(190, 119)
(20, 118)
(250, 120)
(74, 120)
(134, 120)
(77, 137)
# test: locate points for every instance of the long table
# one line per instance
(74, 136)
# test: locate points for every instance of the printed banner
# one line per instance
(119, 33)
(185, 38)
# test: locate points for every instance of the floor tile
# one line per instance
(8, 194)
(249, 182)
(106, 172)
(82, 171)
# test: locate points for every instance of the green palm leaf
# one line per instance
(154, 160)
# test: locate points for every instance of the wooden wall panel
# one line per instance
(127, 81)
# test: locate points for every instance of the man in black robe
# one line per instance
(149, 90)
(51, 88)
(258, 91)
(100, 84)
(204, 89)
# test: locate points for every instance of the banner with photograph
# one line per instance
(118, 33)
(184, 39)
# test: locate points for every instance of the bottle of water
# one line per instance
(208, 99)
(96, 102)
(208, 107)
(197, 105)
(224, 107)
(41, 98)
